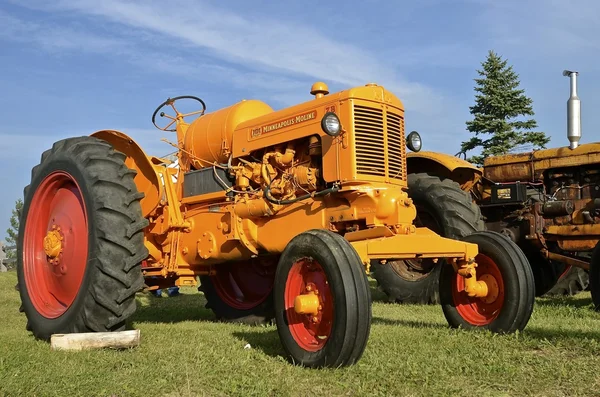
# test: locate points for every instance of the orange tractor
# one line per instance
(547, 201)
(278, 215)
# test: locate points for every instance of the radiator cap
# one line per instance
(319, 89)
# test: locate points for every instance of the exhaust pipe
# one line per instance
(573, 112)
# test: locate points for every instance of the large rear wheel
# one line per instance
(506, 271)
(81, 240)
(241, 292)
(322, 301)
(443, 207)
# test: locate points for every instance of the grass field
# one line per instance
(411, 352)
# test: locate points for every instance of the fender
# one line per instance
(147, 179)
(444, 165)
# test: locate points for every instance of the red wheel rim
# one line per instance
(57, 209)
(311, 332)
(244, 285)
(474, 310)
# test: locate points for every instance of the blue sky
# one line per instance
(71, 67)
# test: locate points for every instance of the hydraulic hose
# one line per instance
(267, 192)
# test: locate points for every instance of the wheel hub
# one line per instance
(53, 243)
(492, 288)
(308, 303)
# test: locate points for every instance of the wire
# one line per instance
(229, 188)
(267, 192)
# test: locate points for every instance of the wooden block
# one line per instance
(95, 340)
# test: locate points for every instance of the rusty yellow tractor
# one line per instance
(547, 201)
(277, 215)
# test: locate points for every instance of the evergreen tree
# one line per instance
(498, 103)
(13, 230)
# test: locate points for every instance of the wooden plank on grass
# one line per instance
(95, 340)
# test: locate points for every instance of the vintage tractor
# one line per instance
(279, 214)
(547, 201)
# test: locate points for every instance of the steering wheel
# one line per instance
(179, 116)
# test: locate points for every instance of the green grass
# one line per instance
(411, 352)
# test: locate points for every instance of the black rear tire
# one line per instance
(105, 297)
(443, 207)
(249, 308)
(345, 302)
(512, 309)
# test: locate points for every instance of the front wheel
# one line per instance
(322, 301)
(511, 290)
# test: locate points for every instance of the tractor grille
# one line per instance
(379, 143)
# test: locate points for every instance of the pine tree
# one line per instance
(498, 104)
(13, 230)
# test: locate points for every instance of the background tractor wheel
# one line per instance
(595, 277)
(504, 267)
(443, 207)
(333, 324)
(573, 281)
(241, 292)
(546, 273)
(81, 240)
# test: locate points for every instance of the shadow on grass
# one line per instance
(575, 302)
(267, 342)
(180, 308)
(376, 294)
(406, 323)
(559, 335)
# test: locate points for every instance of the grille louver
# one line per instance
(379, 143)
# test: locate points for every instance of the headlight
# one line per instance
(331, 124)
(413, 141)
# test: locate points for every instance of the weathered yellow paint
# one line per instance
(530, 166)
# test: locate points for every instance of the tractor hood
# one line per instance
(531, 166)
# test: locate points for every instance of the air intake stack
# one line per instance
(573, 112)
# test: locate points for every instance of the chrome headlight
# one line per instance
(331, 124)
(413, 141)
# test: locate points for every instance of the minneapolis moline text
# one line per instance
(284, 123)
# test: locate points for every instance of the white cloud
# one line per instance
(276, 49)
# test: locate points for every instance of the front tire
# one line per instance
(504, 267)
(81, 240)
(446, 209)
(322, 263)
